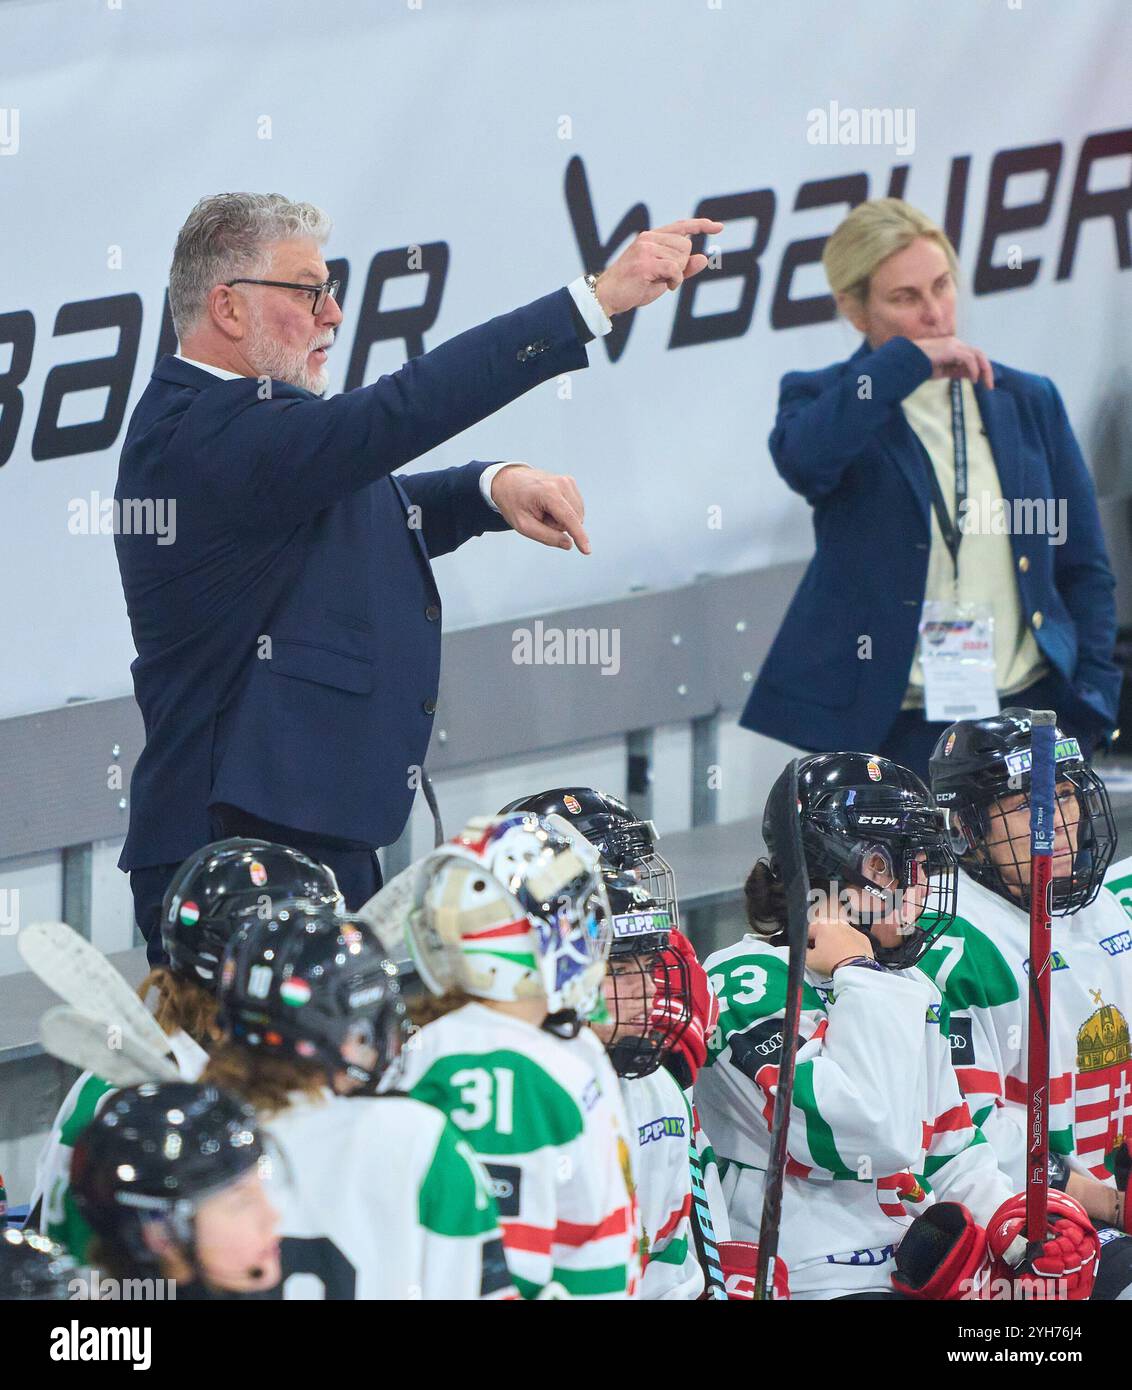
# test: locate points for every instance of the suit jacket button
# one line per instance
(1037, 620)
(432, 612)
(429, 707)
(1023, 563)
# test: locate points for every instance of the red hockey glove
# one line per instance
(689, 1051)
(739, 1260)
(943, 1256)
(1067, 1265)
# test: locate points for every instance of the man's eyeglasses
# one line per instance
(319, 293)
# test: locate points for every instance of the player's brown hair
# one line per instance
(427, 1008)
(765, 897)
(182, 1005)
(265, 1082)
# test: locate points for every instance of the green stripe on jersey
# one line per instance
(502, 1102)
(86, 1102)
(819, 1135)
(71, 1231)
(583, 1283)
(674, 1253)
(968, 968)
(750, 987)
(455, 1199)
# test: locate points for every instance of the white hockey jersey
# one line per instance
(381, 1198)
(661, 1120)
(545, 1115)
(981, 967)
(58, 1216)
(878, 1128)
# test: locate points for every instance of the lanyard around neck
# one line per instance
(950, 528)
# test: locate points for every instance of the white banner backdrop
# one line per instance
(488, 134)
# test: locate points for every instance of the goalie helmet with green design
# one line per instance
(512, 910)
(980, 771)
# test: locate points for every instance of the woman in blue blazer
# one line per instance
(872, 444)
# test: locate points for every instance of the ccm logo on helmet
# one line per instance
(878, 820)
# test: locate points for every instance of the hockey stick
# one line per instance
(430, 797)
(787, 831)
(1042, 830)
(110, 1051)
(80, 974)
(703, 1229)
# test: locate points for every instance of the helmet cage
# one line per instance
(641, 961)
(978, 829)
(631, 846)
(841, 838)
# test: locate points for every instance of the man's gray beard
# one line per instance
(282, 363)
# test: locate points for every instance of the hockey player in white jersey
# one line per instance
(639, 1028)
(379, 1196)
(170, 1179)
(645, 1023)
(509, 928)
(888, 1184)
(201, 908)
(980, 771)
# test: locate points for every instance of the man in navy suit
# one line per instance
(289, 639)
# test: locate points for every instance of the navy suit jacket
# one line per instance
(289, 640)
(859, 465)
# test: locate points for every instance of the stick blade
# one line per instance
(82, 976)
(87, 1043)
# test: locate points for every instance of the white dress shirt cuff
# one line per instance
(487, 477)
(597, 320)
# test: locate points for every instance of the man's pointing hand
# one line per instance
(656, 261)
(544, 506)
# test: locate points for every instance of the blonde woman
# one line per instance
(947, 489)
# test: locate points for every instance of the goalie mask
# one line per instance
(625, 842)
(980, 771)
(511, 909)
(155, 1153)
(647, 987)
(309, 984)
(871, 826)
(218, 883)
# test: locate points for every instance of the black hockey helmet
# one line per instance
(31, 1266)
(307, 980)
(221, 881)
(980, 772)
(153, 1153)
(643, 966)
(625, 842)
(870, 824)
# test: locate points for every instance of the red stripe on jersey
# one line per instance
(766, 1078)
(674, 1220)
(958, 1117)
(532, 1240)
(520, 925)
(819, 1031)
(1060, 1089)
(972, 1081)
(1093, 1110)
(574, 1234)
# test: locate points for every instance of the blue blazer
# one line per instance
(859, 465)
(289, 639)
